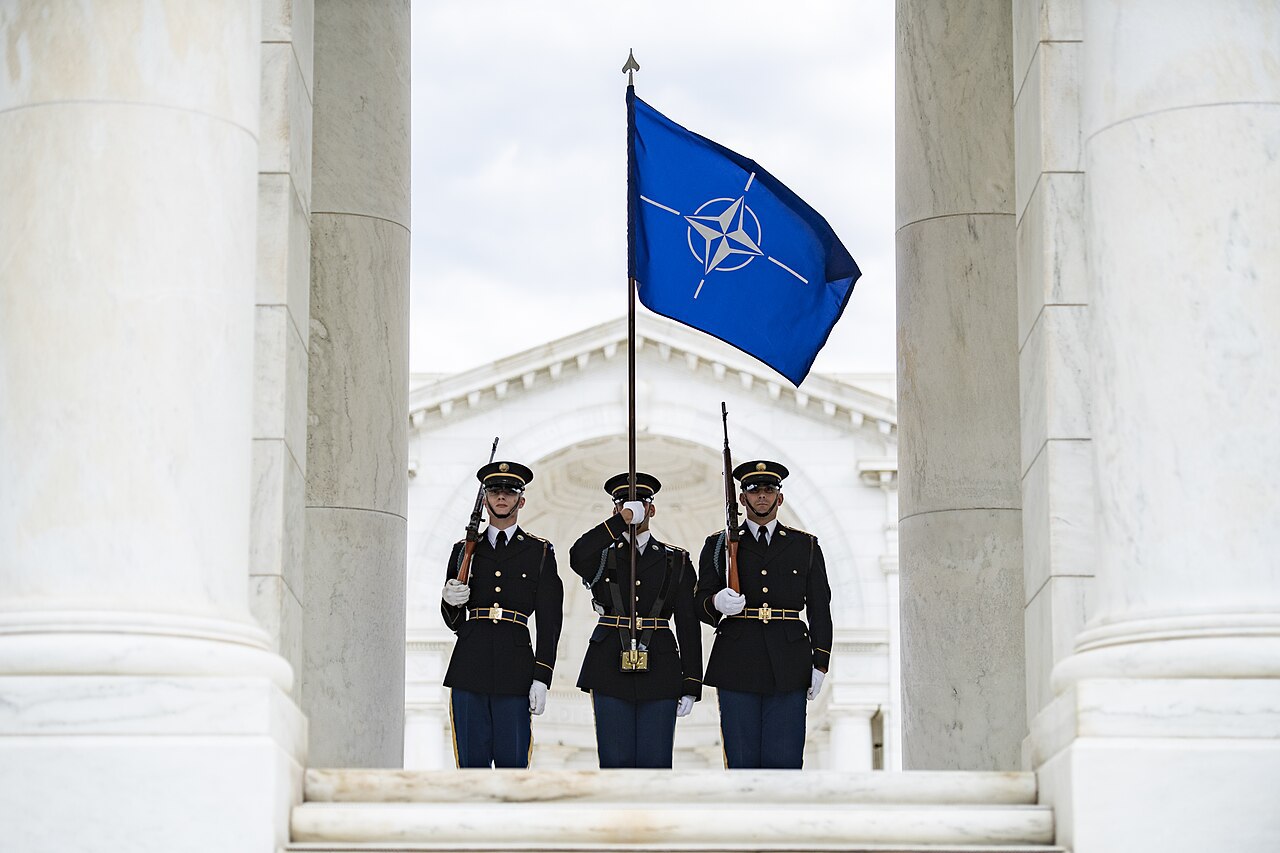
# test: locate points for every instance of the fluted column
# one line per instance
(140, 706)
(960, 527)
(357, 399)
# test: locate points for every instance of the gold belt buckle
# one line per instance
(635, 660)
(765, 614)
(495, 613)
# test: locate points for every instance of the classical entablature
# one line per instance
(819, 397)
(562, 409)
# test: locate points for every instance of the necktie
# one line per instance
(763, 536)
(502, 538)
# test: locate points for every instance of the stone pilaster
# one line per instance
(1174, 684)
(139, 702)
(1053, 325)
(357, 401)
(276, 533)
(960, 503)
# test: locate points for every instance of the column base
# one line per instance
(148, 764)
(1175, 765)
(1214, 645)
(97, 642)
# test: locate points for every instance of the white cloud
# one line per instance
(519, 193)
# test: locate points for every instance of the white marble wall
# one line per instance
(1053, 327)
(140, 706)
(276, 535)
(960, 504)
(356, 466)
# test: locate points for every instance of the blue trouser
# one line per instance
(762, 729)
(490, 730)
(634, 734)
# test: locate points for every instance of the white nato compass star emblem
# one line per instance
(724, 235)
(732, 233)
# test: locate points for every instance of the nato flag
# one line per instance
(719, 244)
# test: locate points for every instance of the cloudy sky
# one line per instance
(519, 153)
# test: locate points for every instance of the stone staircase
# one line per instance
(388, 811)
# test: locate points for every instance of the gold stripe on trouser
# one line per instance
(724, 752)
(453, 729)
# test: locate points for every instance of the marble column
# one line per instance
(357, 400)
(1174, 685)
(960, 528)
(140, 706)
(851, 738)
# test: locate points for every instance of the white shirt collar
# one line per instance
(642, 541)
(492, 533)
(755, 529)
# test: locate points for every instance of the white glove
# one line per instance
(537, 697)
(684, 706)
(455, 593)
(637, 512)
(728, 602)
(815, 683)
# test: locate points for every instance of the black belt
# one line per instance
(498, 614)
(625, 622)
(767, 614)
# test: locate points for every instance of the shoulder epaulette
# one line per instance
(546, 542)
(801, 532)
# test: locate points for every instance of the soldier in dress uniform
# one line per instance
(765, 661)
(637, 699)
(496, 675)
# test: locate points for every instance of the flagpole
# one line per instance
(630, 68)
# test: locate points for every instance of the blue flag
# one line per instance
(719, 244)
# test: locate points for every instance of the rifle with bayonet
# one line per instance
(473, 526)
(730, 512)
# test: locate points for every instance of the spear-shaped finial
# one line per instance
(631, 67)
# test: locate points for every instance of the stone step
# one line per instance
(659, 810)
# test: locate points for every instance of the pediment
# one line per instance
(601, 347)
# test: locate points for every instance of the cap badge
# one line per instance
(760, 466)
(504, 467)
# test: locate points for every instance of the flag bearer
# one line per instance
(765, 661)
(497, 676)
(636, 699)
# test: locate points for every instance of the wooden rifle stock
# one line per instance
(730, 512)
(473, 526)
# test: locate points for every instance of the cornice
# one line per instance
(820, 396)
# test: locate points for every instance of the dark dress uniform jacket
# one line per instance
(749, 655)
(497, 657)
(602, 556)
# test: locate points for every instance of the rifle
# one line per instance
(730, 512)
(473, 526)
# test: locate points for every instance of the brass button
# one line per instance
(499, 589)
(497, 574)
(637, 583)
(764, 571)
(762, 589)
(524, 575)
